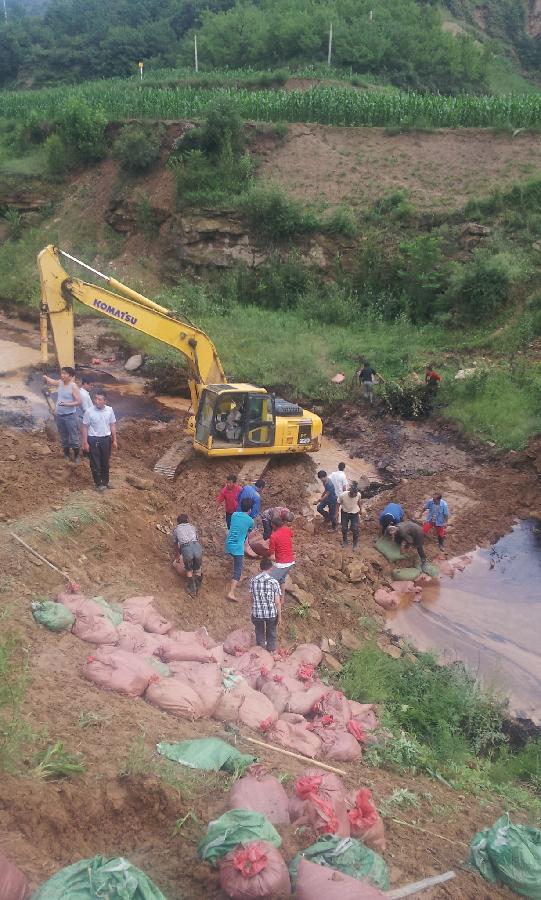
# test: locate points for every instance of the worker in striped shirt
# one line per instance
(266, 606)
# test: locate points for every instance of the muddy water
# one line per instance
(22, 400)
(489, 616)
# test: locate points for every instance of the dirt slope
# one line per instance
(120, 806)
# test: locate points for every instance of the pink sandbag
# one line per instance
(80, 605)
(404, 587)
(339, 744)
(295, 736)
(254, 870)
(13, 884)
(239, 641)
(119, 670)
(278, 694)
(175, 697)
(261, 792)
(173, 651)
(200, 634)
(257, 711)
(365, 821)
(135, 639)
(315, 881)
(320, 801)
(459, 563)
(446, 568)
(229, 703)
(141, 611)
(253, 663)
(335, 704)
(95, 629)
(387, 599)
(197, 673)
(307, 653)
(365, 714)
(307, 701)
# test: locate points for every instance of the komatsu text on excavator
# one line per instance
(228, 419)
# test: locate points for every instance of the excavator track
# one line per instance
(171, 461)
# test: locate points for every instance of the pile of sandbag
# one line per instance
(13, 884)
(188, 675)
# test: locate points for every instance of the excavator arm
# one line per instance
(121, 304)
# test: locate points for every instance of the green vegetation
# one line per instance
(443, 723)
(55, 762)
(121, 99)
(400, 39)
(15, 734)
(137, 148)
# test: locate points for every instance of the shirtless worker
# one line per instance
(409, 534)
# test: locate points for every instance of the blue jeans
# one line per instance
(238, 563)
(329, 516)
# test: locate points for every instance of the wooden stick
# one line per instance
(417, 886)
(431, 833)
(39, 556)
(305, 759)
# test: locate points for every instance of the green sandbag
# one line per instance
(432, 570)
(406, 574)
(509, 854)
(348, 856)
(112, 610)
(160, 667)
(389, 549)
(113, 878)
(54, 616)
(209, 754)
(238, 826)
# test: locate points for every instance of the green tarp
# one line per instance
(54, 616)
(209, 754)
(406, 574)
(100, 878)
(509, 854)
(238, 826)
(389, 549)
(112, 610)
(347, 855)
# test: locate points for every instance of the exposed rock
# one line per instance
(390, 649)
(356, 570)
(134, 362)
(125, 216)
(332, 663)
(349, 640)
(325, 646)
(41, 449)
(142, 484)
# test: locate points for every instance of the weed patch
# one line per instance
(15, 734)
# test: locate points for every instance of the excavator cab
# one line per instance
(232, 417)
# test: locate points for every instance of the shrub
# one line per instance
(15, 223)
(275, 215)
(137, 149)
(342, 221)
(201, 180)
(407, 398)
(58, 158)
(82, 130)
(222, 131)
(481, 288)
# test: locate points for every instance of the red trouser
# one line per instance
(440, 529)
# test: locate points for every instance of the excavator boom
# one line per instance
(121, 304)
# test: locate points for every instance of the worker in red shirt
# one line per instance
(230, 496)
(431, 377)
(281, 547)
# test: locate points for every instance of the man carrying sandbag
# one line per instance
(409, 534)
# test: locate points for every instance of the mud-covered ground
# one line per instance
(111, 545)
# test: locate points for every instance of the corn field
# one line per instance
(121, 99)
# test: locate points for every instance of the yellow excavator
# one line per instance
(228, 419)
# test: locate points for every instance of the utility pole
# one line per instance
(5, 11)
(194, 52)
(330, 45)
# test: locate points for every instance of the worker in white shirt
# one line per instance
(86, 400)
(350, 506)
(340, 482)
(99, 438)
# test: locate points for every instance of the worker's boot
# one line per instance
(191, 586)
(199, 580)
(440, 543)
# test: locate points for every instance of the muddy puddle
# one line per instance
(489, 616)
(25, 404)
